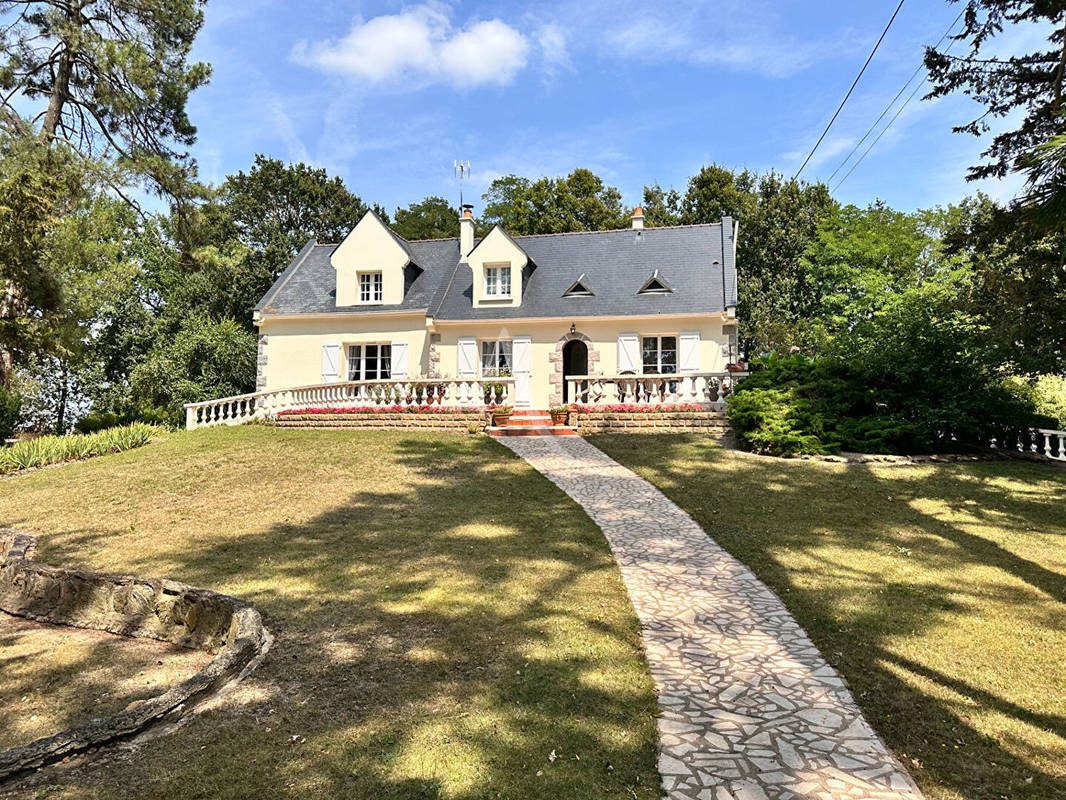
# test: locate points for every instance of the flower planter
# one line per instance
(559, 417)
(500, 420)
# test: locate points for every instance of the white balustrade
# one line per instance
(702, 388)
(1040, 442)
(468, 392)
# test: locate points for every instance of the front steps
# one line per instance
(529, 422)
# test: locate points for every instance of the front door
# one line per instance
(575, 362)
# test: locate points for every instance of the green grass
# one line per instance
(939, 591)
(444, 618)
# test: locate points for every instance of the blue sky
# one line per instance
(387, 95)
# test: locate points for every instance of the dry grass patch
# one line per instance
(444, 617)
(939, 591)
(55, 677)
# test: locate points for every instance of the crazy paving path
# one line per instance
(750, 709)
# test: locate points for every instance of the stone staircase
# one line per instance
(530, 422)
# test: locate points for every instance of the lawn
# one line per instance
(939, 591)
(447, 623)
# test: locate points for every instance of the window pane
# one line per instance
(371, 362)
(650, 353)
(354, 357)
(377, 287)
(505, 355)
(490, 281)
(385, 366)
(505, 280)
(668, 354)
(488, 356)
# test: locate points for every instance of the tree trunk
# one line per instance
(61, 88)
(61, 414)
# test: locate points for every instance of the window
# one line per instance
(496, 357)
(659, 355)
(498, 281)
(580, 288)
(656, 284)
(369, 362)
(370, 287)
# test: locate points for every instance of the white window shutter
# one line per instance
(689, 355)
(400, 360)
(628, 353)
(522, 347)
(467, 357)
(331, 359)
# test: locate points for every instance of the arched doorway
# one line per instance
(575, 362)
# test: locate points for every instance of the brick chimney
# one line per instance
(466, 233)
(638, 218)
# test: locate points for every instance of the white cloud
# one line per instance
(420, 45)
(552, 39)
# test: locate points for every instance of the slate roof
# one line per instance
(616, 264)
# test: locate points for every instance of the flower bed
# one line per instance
(630, 408)
(383, 410)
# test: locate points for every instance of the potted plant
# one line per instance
(738, 366)
(559, 414)
(501, 415)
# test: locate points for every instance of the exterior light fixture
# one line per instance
(573, 328)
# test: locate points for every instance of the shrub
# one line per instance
(10, 412)
(1047, 394)
(796, 404)
(45, 450)
(100, 420)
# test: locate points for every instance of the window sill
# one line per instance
(496, 298)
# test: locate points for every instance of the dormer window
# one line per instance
(370, 287)
(656, 284)
(498, 280)
(580, 288)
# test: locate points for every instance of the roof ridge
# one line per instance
(617, 230)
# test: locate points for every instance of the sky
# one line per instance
(388, 95)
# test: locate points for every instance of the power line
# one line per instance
(853, 85)
(892, 102)
(894, 116)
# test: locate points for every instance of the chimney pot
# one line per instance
(638, 218)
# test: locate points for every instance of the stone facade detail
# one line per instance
(261, 364)
(749, 708)
(555, 358)
(457, 421)
(712, 423)
(433, 370)
(157, 609)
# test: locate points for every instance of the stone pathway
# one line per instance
(750, 709)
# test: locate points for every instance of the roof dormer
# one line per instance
(371, 264)
(500, 268)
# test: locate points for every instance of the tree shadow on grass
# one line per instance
(880, 567)
(461, 634)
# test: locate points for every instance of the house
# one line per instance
(600, 305)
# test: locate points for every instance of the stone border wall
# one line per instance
(432, 422)
(709, 422)
(157, 609)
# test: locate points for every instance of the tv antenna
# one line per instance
(462, 172)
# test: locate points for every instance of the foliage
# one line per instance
(1045, 195)
(106, 77)
(579, 202)
(433, 218)
(778, 220)
(45, 450)
(258, 221)
(10, 412)
(1046, 393)
(101, 420)
(203, 361)
(1028, 86)
(906, 384)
